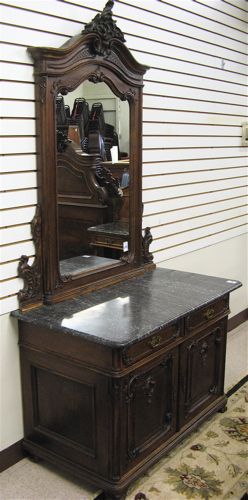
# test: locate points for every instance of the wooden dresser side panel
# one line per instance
(66, 345)
(66, 410)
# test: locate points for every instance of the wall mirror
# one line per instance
(88, 225)
(95, 121)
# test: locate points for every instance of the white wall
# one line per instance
(194, 166)
(227, 259)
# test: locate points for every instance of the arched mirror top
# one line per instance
(99, 52)
(88, 226)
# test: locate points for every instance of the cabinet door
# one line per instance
(202, 363)
(151, 400)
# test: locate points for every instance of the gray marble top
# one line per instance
(84, 263)
(121, 228)
(125, 312)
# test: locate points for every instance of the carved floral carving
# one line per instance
(59, 86)
(126, 96)
(147, 256)
(203, 352)
(62, 280)
(31, 293)
(149, 388)
(42, 89)
(130, 387)
(97, 76)
(104, 25)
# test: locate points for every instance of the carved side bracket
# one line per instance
(31, 295)
(147, 256)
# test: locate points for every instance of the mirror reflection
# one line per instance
(92, 178)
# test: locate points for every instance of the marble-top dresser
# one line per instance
(114, 378)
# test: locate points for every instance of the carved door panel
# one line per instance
(202, 360)
(151, 401)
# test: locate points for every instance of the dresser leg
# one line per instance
(34, 458)
(223, 409)
(115, 496)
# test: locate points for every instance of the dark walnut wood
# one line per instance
(114, 379)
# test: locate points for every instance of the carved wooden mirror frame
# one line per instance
(98, 54)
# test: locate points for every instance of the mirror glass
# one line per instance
(93, 140)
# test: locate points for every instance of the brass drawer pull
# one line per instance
(209, 314)
(154, 342)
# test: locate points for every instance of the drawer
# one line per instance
(108, 240)
(151, 344)
(206, 314)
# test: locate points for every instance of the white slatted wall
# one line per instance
(195, 100)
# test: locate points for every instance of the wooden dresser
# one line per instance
(113, 379)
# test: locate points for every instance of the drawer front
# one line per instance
(110, 240)
(206, 314)
(152, 343)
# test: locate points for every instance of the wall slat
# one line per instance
(182, 91)
(25, 38)
(199, 210)
(191, 188)
(215, 7)
(195, 177)
(174, 250)
(13, 127)
(15, 216)
(177, 129)
(18, 145)
(171, 203)
(154, 142)
(14, 90)
(17, 198)
(15, 163)
(155, 26)
(22, 109)
(15, 234)
(15, 250)
(173, 44)
(192, 116)
(192, 165)
(184, 154)
(178, 238)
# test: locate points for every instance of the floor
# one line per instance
(29, 481)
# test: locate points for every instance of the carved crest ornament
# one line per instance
(104, 25)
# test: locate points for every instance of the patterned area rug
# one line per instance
(211, 463)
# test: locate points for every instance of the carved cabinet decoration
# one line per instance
(114, 378)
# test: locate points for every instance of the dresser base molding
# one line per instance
(118, 489)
